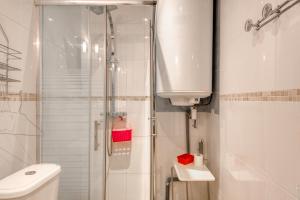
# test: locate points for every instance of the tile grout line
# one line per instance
(18, 134)
(290, 95)
(35, 97)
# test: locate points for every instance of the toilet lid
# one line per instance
(27, 180)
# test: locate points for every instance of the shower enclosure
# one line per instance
(96, 69)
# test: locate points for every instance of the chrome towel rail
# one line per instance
(269, 14)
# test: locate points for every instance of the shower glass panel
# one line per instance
(72, 90)
(96, 69)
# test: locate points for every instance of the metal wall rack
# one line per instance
(7, 55)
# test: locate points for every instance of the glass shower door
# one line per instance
(85, 51)
(73, 98)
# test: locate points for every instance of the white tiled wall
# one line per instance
(263, 60)
(259, 147)
(18, 129)
(259, 141)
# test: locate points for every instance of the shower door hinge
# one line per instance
(154, 131)
(154, 134)
(152, 118)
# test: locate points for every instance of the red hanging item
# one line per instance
(121, 135)
(120, 131)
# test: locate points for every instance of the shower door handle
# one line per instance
(96, 128)
(109, 142)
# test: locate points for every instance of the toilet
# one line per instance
(36, 182)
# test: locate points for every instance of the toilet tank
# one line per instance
(184, 50)
(36, 182)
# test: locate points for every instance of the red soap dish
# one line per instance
(121, 135)
(185, 159)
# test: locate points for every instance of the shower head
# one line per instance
(99, 10)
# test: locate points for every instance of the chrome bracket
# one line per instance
(269, 14)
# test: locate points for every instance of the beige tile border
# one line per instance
(278, 95)
(18, 97)
(98, 98)
(291, 95)
(34, 97)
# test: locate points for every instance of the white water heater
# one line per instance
(184, 50)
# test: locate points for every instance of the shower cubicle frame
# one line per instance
(152, 116)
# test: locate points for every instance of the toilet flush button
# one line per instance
(30, 173)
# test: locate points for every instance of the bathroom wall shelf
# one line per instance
(7, 54)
